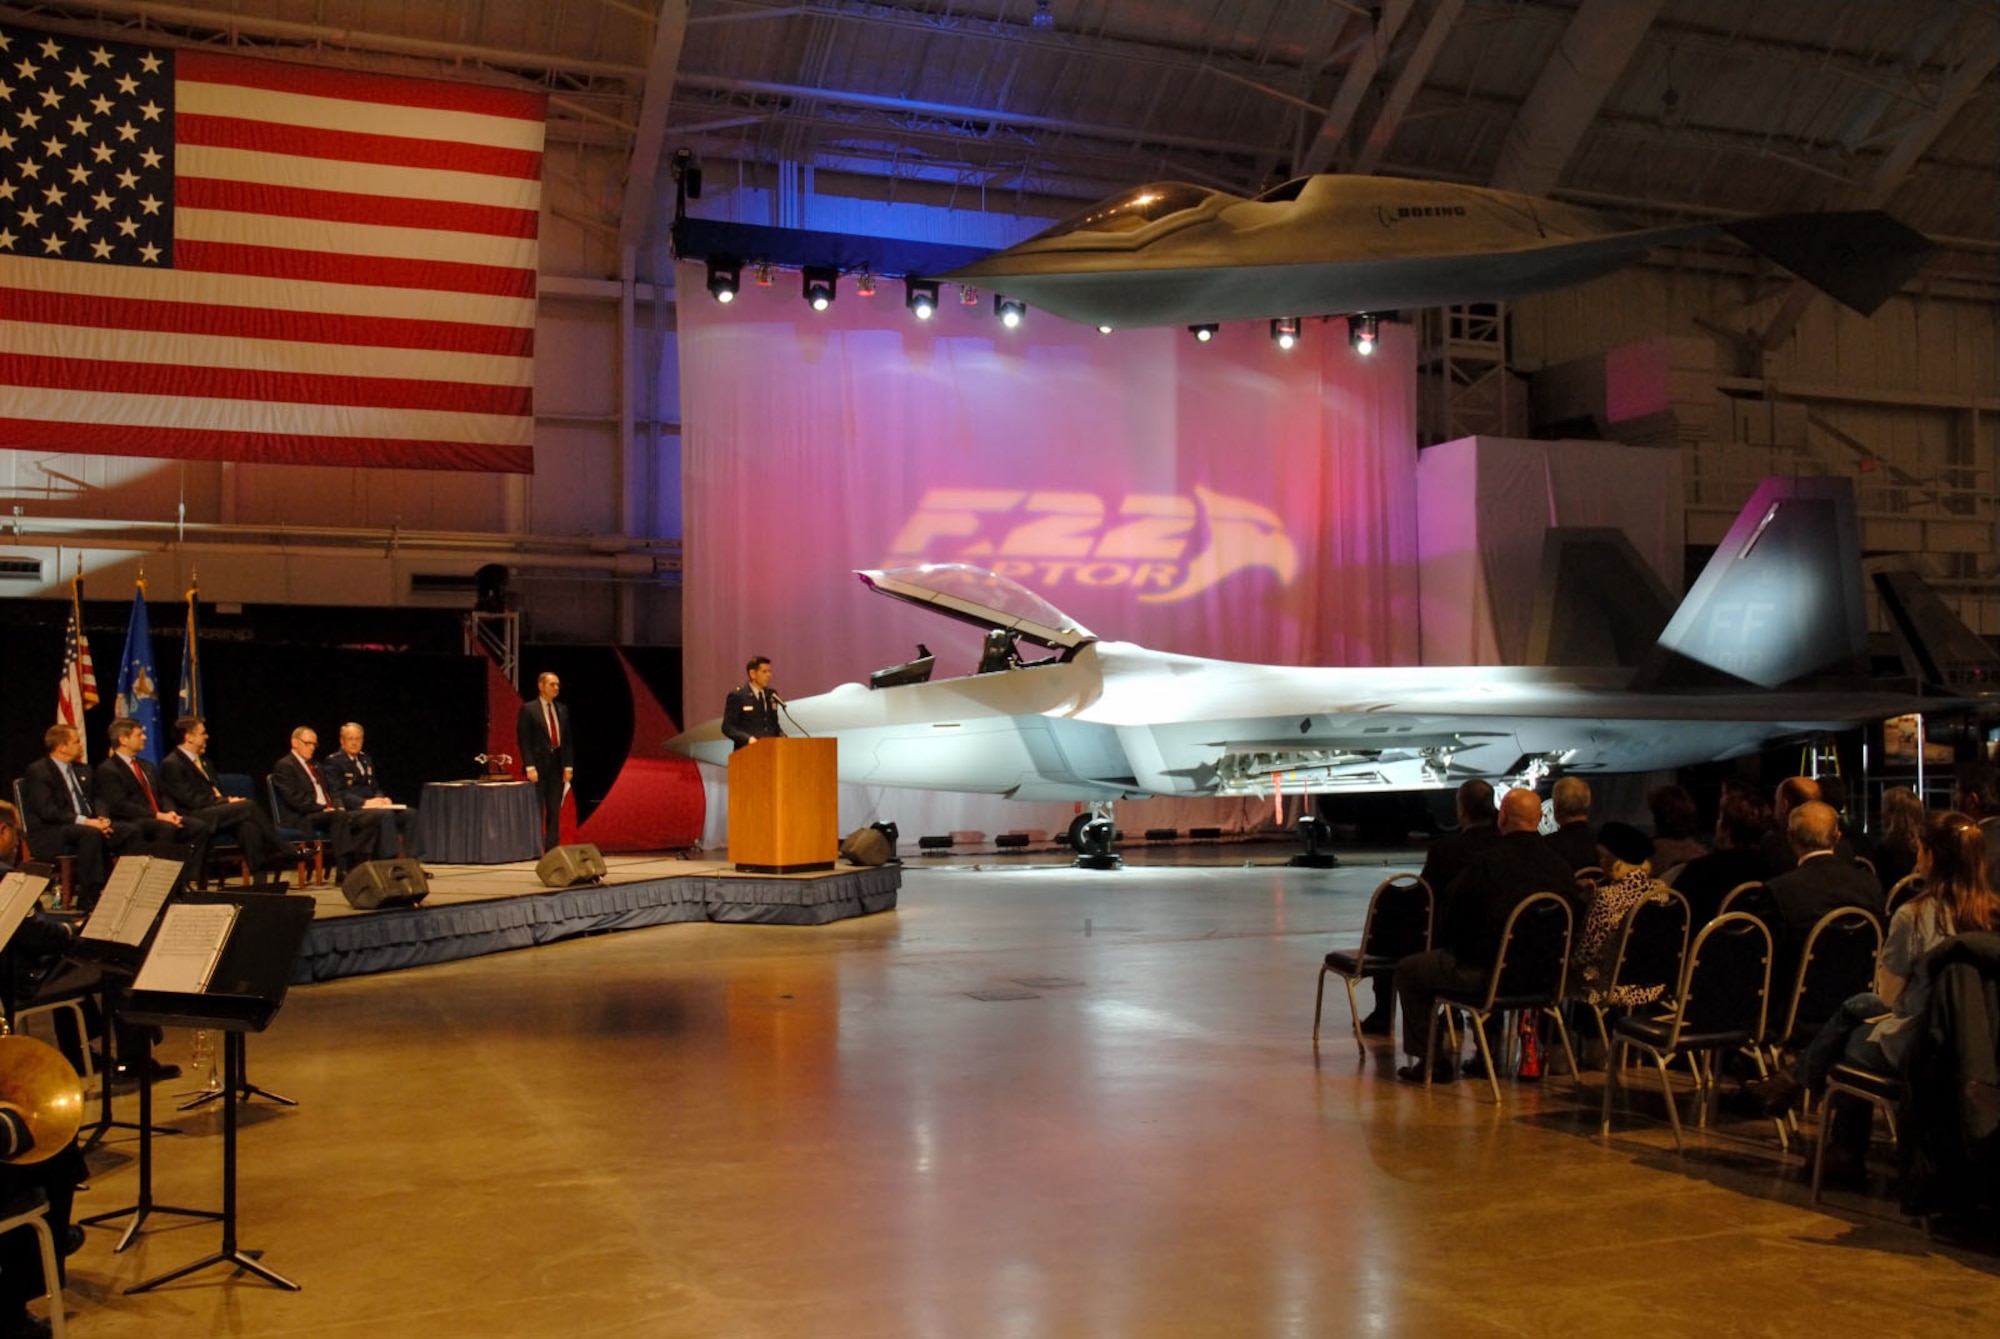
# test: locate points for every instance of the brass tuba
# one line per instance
(39, 1082)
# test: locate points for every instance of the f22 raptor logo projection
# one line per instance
(1143, 543)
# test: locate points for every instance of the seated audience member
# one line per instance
(131, 791)
(57, 1178)
(1893, 850)
(1674, 824)
(1873, 1030)
(1741, 823)
(1792, 792)
(190, 783)
(350, 779)
(1975, 792)
(1442, 863)
(11, 840)
(1474, 911)
(1821, 881)
(1575, 837)
(1626, 857)
(62, 815)
(305, 802)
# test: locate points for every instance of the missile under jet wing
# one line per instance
(1762, 648)
(1170, 253)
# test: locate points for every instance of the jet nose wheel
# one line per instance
(1093, 835)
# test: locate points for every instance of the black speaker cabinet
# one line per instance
(568, 865)
(386, 883)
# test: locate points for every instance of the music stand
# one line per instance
(244, 993)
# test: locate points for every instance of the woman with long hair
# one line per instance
(1895, 855)
(1872, 1030)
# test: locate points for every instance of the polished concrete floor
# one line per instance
(712, 1130)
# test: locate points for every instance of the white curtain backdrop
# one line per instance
(1228, 499)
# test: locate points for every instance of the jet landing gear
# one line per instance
(1314, 833)
(1093, 835)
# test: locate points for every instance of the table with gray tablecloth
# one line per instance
(481, 822)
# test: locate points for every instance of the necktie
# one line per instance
(75, 792)
(555, 735)
(144, 784)
(319, 791)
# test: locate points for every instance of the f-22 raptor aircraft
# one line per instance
(1768, 644)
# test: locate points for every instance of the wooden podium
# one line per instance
(783, 809)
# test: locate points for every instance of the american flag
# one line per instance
(208, 257)
(78, 689)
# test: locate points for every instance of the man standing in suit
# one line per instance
(752, 709)
(62, 812)
(305, 803)
(1474, 911)
(131, 791)
(542, 733)
(191, 785)
(350, 780)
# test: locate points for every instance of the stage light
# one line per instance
(969, 296)
(1363, 328)
(864, 285)
(1009, 310)
(819, 285)
(1204, 333)
(1285, 331)
(1104, 330)
(764, 276)
(725, 276)
(921, 297)
(1041, 18)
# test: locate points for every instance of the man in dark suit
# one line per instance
(130, 790)
(1575, 837)
(752, 709)
(350, 780)
(1444, 861)
(1741, 823)
(542, 733)
(190, 783)
(62, 814)
(1822, 880)
(305, 803)
(1514, 866)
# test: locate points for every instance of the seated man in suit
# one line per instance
(305, 802)
(62, 815)
(1742, 821)
(1475, 908)
(131, 791)
(1447, 857)
(350, 781)
(1821, 881)
(191, 785)
(1575, 837)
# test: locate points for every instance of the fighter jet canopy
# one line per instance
(984, 599)
(1115, 221)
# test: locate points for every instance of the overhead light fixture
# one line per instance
(1104, 330)
(1285, 331)
(1009, 310)
(864, 285)
(969, 296)
(725, 276)
(921, 297)
(764, 276)
(1041, 18)
(1363, 329)
(1204, 332)
(819, 285)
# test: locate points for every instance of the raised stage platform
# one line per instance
(478, 909)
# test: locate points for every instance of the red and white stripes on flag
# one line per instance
(78, 689)
(260, 262)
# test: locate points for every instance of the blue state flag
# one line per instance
(138, 682)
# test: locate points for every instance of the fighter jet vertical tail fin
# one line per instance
(1937, 649)
(1780, 600)
(1860, 258)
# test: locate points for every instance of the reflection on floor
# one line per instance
(1033, 1101)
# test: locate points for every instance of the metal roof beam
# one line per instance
(1333, 127)
(1593, 52)
(1411, 78)
(635, 210)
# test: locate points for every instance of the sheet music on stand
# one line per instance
(19, 892)
(189, 944)
(138, 887)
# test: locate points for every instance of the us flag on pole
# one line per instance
(208, 257)
(78, 689)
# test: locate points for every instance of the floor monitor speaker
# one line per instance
(386, 883)
(569, 865)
